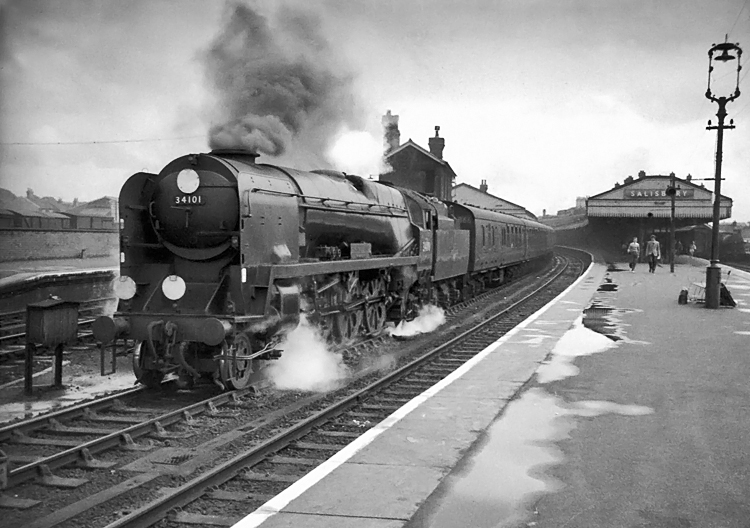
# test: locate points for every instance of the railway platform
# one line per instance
(483, 446)
(18, 271)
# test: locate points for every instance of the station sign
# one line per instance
(657, 194)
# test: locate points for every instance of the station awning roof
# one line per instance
(646, 197)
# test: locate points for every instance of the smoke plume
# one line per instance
(280, 86)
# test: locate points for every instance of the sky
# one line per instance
(547, 100)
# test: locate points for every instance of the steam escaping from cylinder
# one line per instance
(430, 317)
(306, 363)
(281, 88)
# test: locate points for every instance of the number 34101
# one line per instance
(193, 199)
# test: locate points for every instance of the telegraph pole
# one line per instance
(672, 192)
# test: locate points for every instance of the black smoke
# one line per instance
(279, 84)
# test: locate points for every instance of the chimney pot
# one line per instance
(392, 134)
(437, 144)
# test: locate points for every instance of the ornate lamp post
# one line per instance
(713, 271)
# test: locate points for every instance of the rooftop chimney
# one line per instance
(437, 144)
(483, 186)
(392, 137)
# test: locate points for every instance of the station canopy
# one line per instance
(646, 197)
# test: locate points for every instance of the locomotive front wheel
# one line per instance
(148, 377)
(236, 373)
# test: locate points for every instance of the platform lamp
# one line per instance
(716, 73)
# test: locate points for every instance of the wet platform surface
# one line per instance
(19, 271)
(612, 406)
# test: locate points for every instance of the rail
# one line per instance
(191, 491)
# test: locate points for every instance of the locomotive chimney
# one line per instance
(483, 186)
(248, 154)
(392, 134)
(437, 144)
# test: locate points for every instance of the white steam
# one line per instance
(306, 363)
(429, 318)
(358, 152)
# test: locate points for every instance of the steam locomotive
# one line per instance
(220, 255)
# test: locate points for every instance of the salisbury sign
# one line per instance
(656, 194)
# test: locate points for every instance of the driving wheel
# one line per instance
(374, 316)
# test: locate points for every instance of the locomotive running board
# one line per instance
(326, 267)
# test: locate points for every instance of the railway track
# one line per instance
(739, 265)
(196, 457)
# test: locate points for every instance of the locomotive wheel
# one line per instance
(342, 326)
(150, 378)
(236, 373)
(374, 317)
(356, 322)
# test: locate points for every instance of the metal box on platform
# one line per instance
(51, 322)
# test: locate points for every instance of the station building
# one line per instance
(469, 195)
(426, 171)
(641, 207)
(415, 168)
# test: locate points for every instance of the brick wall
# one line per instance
(19, 244)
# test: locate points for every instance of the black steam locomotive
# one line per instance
(220, 254)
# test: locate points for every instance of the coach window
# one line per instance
(483, 242)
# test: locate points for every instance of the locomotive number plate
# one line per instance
(189, 199)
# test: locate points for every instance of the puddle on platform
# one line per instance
(578, 341)
(607, 321)
(607, 286)
(505, 471)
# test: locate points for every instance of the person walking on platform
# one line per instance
(653, 253)
(634, 250)
(692, 249)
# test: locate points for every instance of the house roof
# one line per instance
(35, 214)
(50, 203)
(101, 207)
(489, 194)
(18, 204)
(424, 152)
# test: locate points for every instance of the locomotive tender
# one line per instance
(220, 255)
